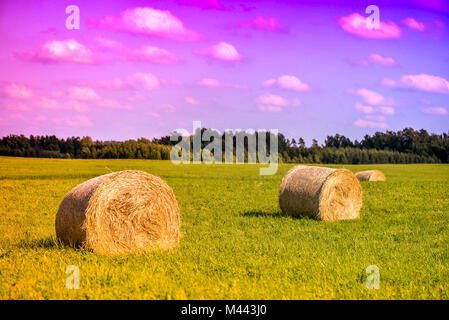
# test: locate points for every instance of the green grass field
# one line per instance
(236, 244)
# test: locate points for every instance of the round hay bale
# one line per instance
(321, 193)
(371, 175)
(120, 212)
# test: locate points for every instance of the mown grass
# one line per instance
(236, 244)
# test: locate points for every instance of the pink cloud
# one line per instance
(147, 80)
(269, 108)
(203, 4)
(169, 108)
(170, 82)
(55, 104)
(356, 24)
(371, 124)
(17, 91)
(108, 43)
(387, 82)
(136, 96)
(76, 99)
(191, 100)
(287, 82)
(378, 59)
(79, 121)
(420, 82)
(77, 106)
(221, 51)
(371, 97)
(153, 114)
(60, 51)
(207, 82)
(272, 99)
(263, 23)
(434, 28)
(111, 84)
(273, 103)
(387, 110)
(214, 83)
(148, 21)
(370, 110)
(413, 24)
(363, 108)
(436, 111)
(113, 104)
(90, 95)
(150, 54)
(84, 94)
(375, 117)
(138, 80)
(47, 103)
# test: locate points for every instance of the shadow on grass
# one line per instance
(263, 214)
(276, 214)
(46, 243)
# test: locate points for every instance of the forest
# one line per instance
(404, 146)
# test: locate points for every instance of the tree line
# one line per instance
(81, 148)
(404, 146)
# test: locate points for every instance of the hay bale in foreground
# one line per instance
(120, 212)
(321, 193)
(371, 175)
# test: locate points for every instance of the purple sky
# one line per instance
(145, 68)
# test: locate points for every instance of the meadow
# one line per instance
(236, 244)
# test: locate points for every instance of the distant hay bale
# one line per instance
(120, 212)
(321, 193)
(371, 175)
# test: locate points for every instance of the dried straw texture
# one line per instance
(371, 175)
(120, 212)
(321, 193)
